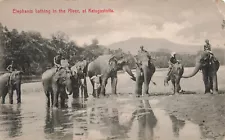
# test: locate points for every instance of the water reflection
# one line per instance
(146, 120)
(78, 104)
(104, 122)
(177, 125)
(10, 117)
(133, 120)
(109, 119)
(119, 119)
(58, 124)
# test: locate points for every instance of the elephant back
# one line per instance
(4, 79)
(48, 74)
(99, 65)
(104, 59)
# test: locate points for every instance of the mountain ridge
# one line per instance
(154, 44)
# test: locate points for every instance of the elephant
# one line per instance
(175, 76)
(209, 67)
(107, 66)
(4, 79)
(79, 70)
(144, 72)
(57, 83)
(10, 82)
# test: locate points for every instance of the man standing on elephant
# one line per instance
(11, 67)
(142, 50)
(207, 48)
(173, 60)
(57, 60)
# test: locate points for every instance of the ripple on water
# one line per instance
(134, 120)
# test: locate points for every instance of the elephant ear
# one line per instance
(85, 65)
(204, 58)
(113, 64)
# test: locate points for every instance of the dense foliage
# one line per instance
(33, 53)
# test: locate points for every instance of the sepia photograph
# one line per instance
(112, 70)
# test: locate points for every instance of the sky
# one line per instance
(180, 21)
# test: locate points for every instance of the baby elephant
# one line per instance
(97, 84)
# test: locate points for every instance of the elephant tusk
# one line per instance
(68, 92)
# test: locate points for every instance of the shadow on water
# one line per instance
(177, 125)
(146, 120)
(109, 118)
(58, 124)
(103, 122)
(97, 119)
(78, 104)
(132, 120)
(10, 117)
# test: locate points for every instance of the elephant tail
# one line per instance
(153, 83)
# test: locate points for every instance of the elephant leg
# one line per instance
(206, 81)
(166, 80)
(56, 95)
(139, 82)
(211, 84)
(18, 91)
(177, 85)
(114, 84)
(63, 100)
(103, 85)
(4, 93)
(147, 79)
(215, 84)
(48, 98)
(93, 91)
(179, 88)
(97, 92)
(11, 95)
(81, 93)
(85, 88)
(173, 86)
(51, 96)
(75, 92)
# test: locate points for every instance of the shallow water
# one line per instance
(117, 118)
(131, 120)
(97, 119)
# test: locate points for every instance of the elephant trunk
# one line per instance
(128, 70)
(197, 68)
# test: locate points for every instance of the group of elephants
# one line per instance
(72, 80)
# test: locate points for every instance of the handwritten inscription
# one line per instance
(61, 11)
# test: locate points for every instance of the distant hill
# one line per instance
(153, 44)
